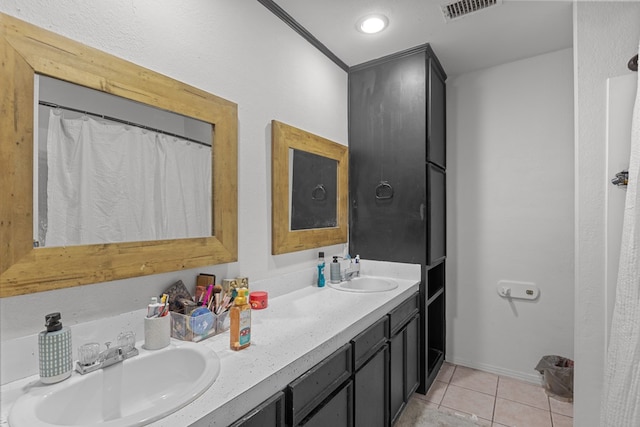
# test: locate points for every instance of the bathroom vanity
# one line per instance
(361, 346)
(361, 369)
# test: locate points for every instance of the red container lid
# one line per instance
(259, 300)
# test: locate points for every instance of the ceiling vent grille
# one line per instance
(462, 8)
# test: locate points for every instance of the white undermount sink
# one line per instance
(366, 284)
(135, 392)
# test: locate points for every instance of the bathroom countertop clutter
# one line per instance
(302, 325)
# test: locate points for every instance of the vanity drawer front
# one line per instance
(337, 411)
(268, 414)
(368, 342)
(403, 313)
(310, 389)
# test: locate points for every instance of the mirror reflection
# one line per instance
(114, 170)
(314, 195)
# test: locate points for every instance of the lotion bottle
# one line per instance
(240, 321)
(55, 352)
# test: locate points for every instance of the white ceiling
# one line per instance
(514, 30)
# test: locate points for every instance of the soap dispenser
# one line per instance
(55, 352)
(334, 270)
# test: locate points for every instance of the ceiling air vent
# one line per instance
(463, 8)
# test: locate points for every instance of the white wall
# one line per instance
(605, 37)
(510, 213)
(234, 49)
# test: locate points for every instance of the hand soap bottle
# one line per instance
(240, 321)
(55, 352)
(334, 270)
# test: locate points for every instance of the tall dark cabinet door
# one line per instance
(436, 141)
(437, 214)
(387, 143)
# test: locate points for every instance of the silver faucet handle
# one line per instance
(88, 353)
(127, 341)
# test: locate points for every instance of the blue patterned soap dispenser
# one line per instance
(55, 353)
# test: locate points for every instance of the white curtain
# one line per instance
(113, 183)
(621, 397)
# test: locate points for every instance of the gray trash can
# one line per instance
(558, 376)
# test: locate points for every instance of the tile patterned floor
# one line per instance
(496, 401)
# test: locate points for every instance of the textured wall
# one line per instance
(235, 49)
(510, 213)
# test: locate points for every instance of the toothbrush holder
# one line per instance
(157, 332)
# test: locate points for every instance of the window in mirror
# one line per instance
(314, 195)
(114, 170)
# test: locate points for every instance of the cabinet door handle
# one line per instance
(422, 211)
(384, 191)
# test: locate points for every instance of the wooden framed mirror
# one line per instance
(317, 155)
(26, 50)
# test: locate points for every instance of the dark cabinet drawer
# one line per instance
(400, 315)
(337, 411)
(269, 414)
(368, 342)
(313, 387)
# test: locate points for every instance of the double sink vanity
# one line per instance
(307, 351)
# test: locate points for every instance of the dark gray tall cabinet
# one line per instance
(397, 179)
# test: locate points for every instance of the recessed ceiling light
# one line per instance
(372, 24)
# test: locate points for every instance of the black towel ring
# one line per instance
(384, 191)
(319, 193)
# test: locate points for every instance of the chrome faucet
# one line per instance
(90, 358)
(353, 270)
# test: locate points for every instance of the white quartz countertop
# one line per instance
(298, 330)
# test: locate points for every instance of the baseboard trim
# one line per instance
(522, 376)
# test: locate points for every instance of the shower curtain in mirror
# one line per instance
(108, 182)
(621, 397)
